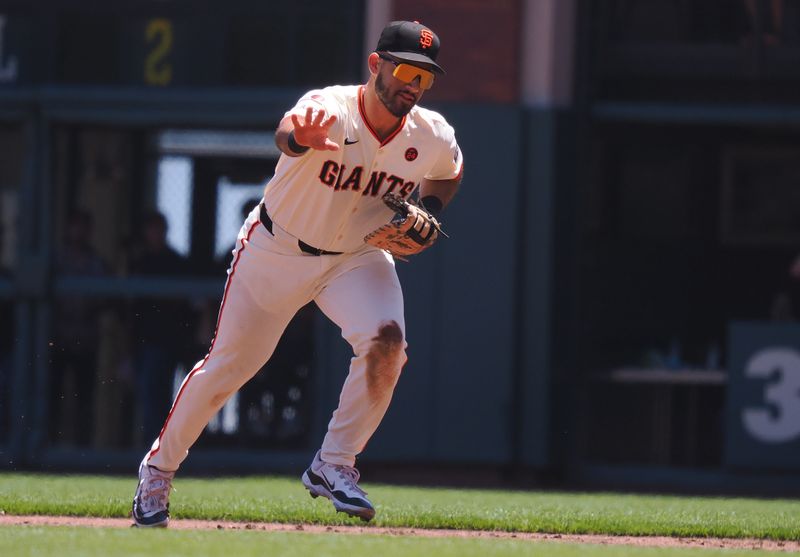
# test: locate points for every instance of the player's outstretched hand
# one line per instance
(313, 131)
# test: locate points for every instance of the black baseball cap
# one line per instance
(412, 42)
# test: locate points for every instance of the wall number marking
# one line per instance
(778, 419)
(157, 68)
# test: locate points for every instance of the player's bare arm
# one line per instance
(295, 135)
(437, 194)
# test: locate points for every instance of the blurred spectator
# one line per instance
(76, 335)
(156, 327)
(786, 303)
(794, 269)
(766, 15)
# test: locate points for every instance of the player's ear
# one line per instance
(372, 63)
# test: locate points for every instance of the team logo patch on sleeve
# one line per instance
(411, 154)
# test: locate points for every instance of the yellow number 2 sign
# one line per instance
(158, 36)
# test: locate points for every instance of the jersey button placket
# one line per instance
(354, 207)
(377, 160)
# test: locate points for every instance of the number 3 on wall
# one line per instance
(778, 421)
(158, 71)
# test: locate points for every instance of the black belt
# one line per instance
(267, 222)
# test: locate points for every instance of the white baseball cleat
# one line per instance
(340, 485)
(151, 502)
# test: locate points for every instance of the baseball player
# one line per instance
(332, 217)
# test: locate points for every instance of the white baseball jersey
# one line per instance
(332, 199)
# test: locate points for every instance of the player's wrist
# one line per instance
(294, 146)
(432, 204)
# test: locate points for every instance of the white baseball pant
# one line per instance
(269, 280)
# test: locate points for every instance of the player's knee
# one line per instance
(389, 343)
(385, 358)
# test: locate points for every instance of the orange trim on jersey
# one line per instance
(213, 340)
(457, 176)
(460, 172)
(363, 112)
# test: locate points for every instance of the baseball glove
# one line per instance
(411, 230)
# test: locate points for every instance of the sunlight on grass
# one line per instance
(284, 500)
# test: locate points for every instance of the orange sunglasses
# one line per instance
(408, 73)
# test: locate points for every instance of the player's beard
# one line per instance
(392, 101)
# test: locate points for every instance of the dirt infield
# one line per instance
(185, 524)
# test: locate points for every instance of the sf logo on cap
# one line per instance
(425, 38)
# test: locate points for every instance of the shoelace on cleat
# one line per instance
(350, 476)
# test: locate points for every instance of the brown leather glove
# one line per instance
(411, 230)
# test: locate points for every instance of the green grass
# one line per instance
(270, 499)
(101, 542)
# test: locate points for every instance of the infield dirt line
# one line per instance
(189, 524)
